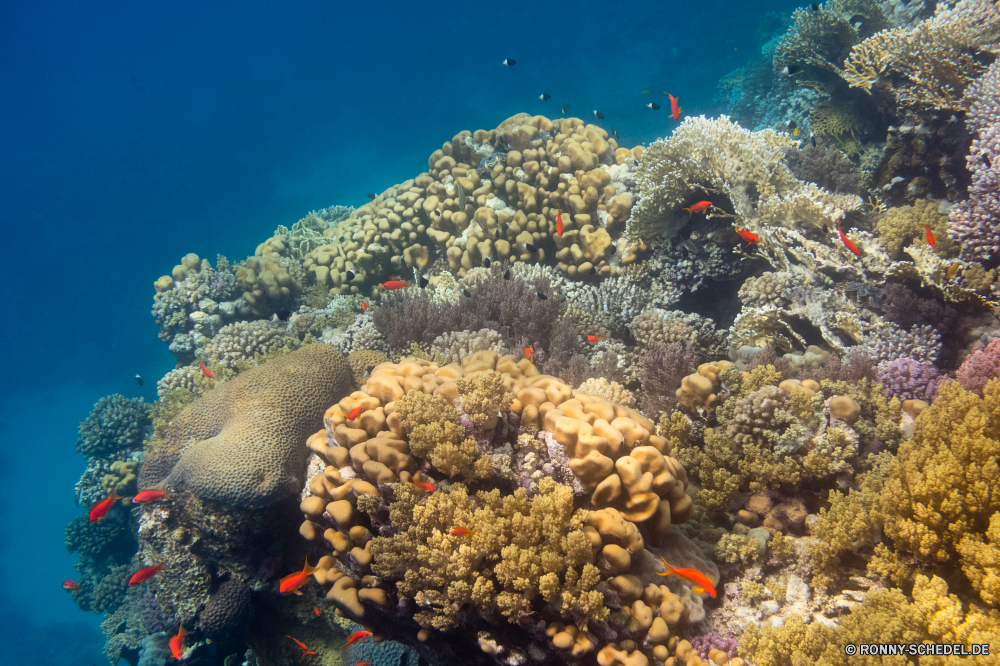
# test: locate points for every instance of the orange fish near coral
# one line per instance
(559, 224)
(144, 574)
(847, 242)
(697, 208)
(147, 496)
(177, 643)
(529, 353)
(364, 305)
(593, 339)
(307, 653)
(355, 413)
(298, 642)
(101, 508)
(363, 663)
(316, 610)
(702, 582)
(205, 371)
(748, 236)
(462, 531)
(291, 583)
(424, 486)
(71, 585)
(930, 235)
(395, 284)
(675, 106)
(357, 637)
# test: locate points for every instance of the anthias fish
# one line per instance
(144, 574)
(461, 531)
(424, 486)
(748, 236)
(177, 643)
(847, 242)
(395, 284)
(529, 353)
(355, 413)
(205, 371)
(593, 339)
(559, 223)
(675, 106)
(702, 582)
(698, 207)
(364, 305)
(301, 645)
(316, 610)
(101, 509)
(930, 235)
(291, 583)
(70, 585)
(357, 637)
(147, 496)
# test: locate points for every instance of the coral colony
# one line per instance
(731, 397)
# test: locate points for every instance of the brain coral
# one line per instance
(241, 442)
(115, 425)
(228, 611)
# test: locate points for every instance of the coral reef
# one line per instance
(980, 367)
(116, 426)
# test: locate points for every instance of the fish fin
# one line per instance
(698, 591)
(307, 570)
(297, 592)
(710, 577)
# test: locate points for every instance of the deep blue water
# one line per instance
(133, 133)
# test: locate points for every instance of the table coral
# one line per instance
(115, 426)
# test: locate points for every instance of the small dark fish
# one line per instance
(545, 97)
(791, 126)
(510, 62)
(541, 296)
(486, 262)
(600, 116)
(813, 140)
(424, 281)
(283, 315)
(465, 292)
(814, 7)
(989, 165)
(138, 378)
(350, 275)
(529, 247)
(506, 274)
(826, 229)
(593, 270)
(618, 137)
(654, 106)
(371, 195)
(566, 108)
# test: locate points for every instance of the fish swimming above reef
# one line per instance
(395, 284)
(559, 223)
(371, 195)
(291, 583)
(510, 62)
(357, 637)
(654, 106)
(355, 413)
(145, 574)
(177, 643)
(698, 207)
(462, 531)
(545, 97)
(847, 242)
(748, 236)
(565, 108)
(70, 585)
(930, 235)
(675, 106)
(138, 378)
(702, 582)
(148, 496)
(598, 114)
(101, 509)
(205, 371)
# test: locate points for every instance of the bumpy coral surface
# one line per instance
(115, 426)
(239, 443)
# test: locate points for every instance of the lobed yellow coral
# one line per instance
(904, 225)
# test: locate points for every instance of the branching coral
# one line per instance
(244, 340)
(452, 347)
(827, 167)
(904, 225)
(980, 367)
(974, 221)
(907, 379)
(436, 433)
(115, 426)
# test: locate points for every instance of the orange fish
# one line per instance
(307, 653)
(395, 284)
(356, 637)
(71, 585)
(702, 582)
(145, 574)
(363, 663)
(697, 208)
(847, 242)
(462, 531)
(559, 224)
(205, 370)
(364, 305)
(101, 508)
(354, 413)
(529, 353)
(930, 235)
(749, 236)
(424, 486)
(675, 107)
(298, 642)
(177, 642)
(593, 339)
(316, 610)
(147, 496)
(292, 582)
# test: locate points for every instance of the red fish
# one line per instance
(559, 224)
(147, 496)
(930, 235)
(593, 339)
(177, 642)
(529, 353)
(423, 486)
(748, 236)
(298, 642)
(395, 284)
(462, 531)
(363, 663)
(292, 582)
(364, 305)
(355, 413)
(101, 508)
(847, 242)
(675, 107)
(307, 653)
(697, 208)
(144, 574)
(71, 585)
(205, 370)
(316, 610)
(357, 637)
(702, 582)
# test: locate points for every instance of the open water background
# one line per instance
(132, 133)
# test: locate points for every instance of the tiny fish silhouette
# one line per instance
(510, 62)
(600, 116)
(545, 97)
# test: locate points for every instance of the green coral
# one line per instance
(849, 524)
(436, 433)
(737, 548)
(116, 425)
(754, 592)
(521, 550)
(122, 479)
(484, 396)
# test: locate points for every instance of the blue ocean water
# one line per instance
(134, 133)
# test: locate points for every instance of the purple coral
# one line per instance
(714, 641)
(906, 378)
(980, 367)
(662, 367)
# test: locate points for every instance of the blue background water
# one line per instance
(134, 132)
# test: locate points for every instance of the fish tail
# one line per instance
(668, 570)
